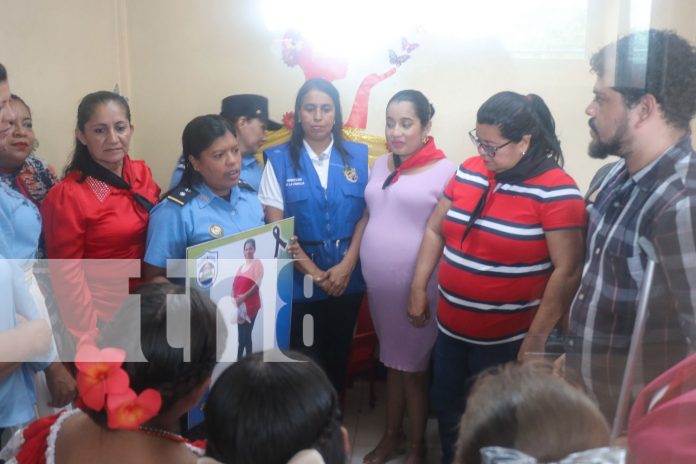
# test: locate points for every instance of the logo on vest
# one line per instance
(351, 174)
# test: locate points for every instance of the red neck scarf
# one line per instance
(427, 154)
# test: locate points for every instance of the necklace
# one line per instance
(167, 435)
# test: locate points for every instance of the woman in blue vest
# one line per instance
(210, 201)
(320, 179)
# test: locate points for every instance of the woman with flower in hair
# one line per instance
(134, 386)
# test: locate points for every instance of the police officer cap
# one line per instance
(249, 106)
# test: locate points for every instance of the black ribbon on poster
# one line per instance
(279, 241)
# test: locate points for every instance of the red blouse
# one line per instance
(244, 281)
(36, 443)
(92, 221)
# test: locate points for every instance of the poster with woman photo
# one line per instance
(249, 277)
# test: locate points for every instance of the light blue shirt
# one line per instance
(19, 222)
(178, 222)
(251, 171)
(23, 228)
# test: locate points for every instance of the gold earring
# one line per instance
(425, 140)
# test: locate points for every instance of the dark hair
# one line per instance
(250, 240)
(424, 109)
(518, 115)
(190, 314)
(656, 62)
(297, 135)
(527, 407)
(265, 411)
(198, 135)
(17, 98)
(3, 73)
(85, 110)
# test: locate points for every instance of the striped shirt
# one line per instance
(492, 283)
(658, 203)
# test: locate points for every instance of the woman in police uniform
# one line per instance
(320, 179)
(210, 201)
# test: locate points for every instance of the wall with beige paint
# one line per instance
(176, 59)
(56, 52)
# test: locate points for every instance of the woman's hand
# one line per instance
(335, 280)
(303, 262)
(418, 312)
(295, 249)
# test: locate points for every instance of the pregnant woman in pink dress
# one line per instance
(404, 187)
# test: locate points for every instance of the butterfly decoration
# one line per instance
(397, 60)
(407, 46)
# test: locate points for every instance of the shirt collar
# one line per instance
(249, 160)
(318, 158)
(207, 196)
(664, 164)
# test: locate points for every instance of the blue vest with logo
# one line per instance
(324, 219)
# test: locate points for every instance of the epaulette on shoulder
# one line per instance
(246, 185)
(182, 195)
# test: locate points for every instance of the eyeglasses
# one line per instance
(484, 148)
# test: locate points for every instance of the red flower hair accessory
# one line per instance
(102, 381)
(129, 410)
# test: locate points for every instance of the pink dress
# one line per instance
(398, 215)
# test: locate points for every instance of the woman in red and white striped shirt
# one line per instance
(509, 229)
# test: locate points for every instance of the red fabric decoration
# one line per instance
(36, 440)
(358, 114)
(289, 120)
(425, 155)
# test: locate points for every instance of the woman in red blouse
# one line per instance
(98, 212)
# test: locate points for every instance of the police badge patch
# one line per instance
(215, 231)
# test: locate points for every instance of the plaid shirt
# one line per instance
(658, 203)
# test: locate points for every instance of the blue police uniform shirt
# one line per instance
(324, 218)
(251, 171)
(189, 217)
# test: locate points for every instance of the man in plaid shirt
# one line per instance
(645, 98)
